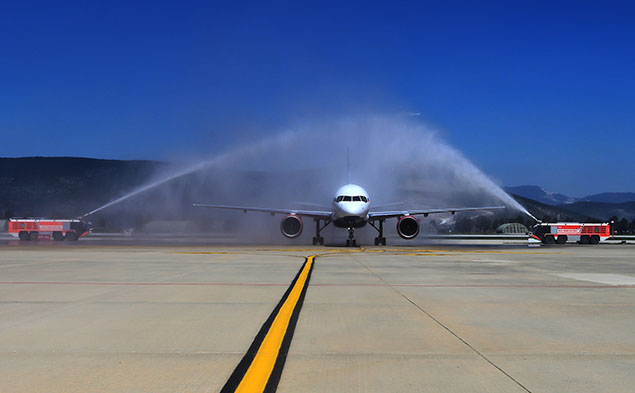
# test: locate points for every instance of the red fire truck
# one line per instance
(46, 228)
(562, 232)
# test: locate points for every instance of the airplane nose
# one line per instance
(354, 209)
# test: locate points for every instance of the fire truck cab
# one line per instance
(45, 228)
(563, 232)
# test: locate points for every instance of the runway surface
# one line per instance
(168, 317)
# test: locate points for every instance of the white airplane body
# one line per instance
(351, 210)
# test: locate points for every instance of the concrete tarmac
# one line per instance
(450, 318)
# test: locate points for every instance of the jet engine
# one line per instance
(291, 226)
(408, 227)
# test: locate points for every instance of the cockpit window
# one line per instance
(348, 198)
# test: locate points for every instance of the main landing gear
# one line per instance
(317, 239)
(380, 239)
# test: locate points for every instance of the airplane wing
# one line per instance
(385, 205)
(312, 205)
(391, 214)
(324, 215)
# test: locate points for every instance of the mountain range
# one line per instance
(598, 206)
(69, 186)
(539, 194)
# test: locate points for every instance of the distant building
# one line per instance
(512, 228)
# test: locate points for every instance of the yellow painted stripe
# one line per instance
(205, 252)
(256, 377)
(454, 251)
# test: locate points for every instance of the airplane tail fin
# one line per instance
(348, 165)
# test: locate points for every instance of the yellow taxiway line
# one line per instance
(261, 367)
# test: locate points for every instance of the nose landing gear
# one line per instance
(351, 238)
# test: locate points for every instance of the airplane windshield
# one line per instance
(348, 198)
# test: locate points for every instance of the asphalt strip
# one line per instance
(261, 367)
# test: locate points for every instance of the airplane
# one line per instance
(351, 210)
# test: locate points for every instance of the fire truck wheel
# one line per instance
(584, 240)
(562, 239)
(548, 240)
(71, 236)
(58, 236)
(595, 239)
(24, 235)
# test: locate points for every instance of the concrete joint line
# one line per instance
(438, 322)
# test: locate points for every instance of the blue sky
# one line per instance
(533, 93)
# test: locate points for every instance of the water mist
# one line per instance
(396, 159)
